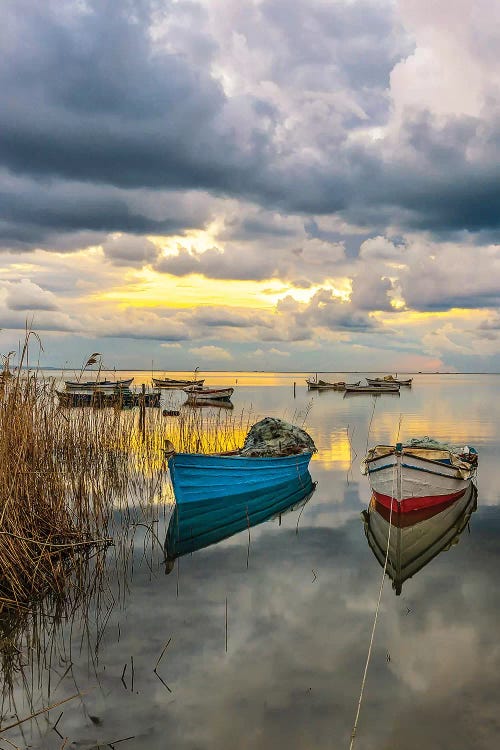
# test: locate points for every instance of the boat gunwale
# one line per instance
(420, 458)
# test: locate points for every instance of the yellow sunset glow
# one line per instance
(197, 240)
(334, 450)
(152, 290)
(414, 317)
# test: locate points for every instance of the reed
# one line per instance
(209, 430)
(68, 474)
(63, 474)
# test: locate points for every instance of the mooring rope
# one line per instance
(368, 656)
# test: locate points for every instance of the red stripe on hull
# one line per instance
(411, 504)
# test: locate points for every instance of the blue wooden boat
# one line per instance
(199, 477)
(195, 525)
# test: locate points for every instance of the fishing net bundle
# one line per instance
(275, 437)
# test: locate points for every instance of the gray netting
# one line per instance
(427, 442)
(274, 437)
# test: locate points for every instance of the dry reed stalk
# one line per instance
(62, 476)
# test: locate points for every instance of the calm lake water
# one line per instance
(284, 670)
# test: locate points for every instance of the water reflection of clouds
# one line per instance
(296, 648)
(300, 616)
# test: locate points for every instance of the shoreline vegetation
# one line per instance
(78, 487)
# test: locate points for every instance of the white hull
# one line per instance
(410, 481)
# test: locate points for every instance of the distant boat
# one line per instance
(122, 397)
(72, 385)
(323, 385)
(172, 383)
(388, 380)
(389, 388)
(420, 474)
(194, 526)
(196, 394)
(416, 538)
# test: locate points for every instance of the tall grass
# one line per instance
(64, 474)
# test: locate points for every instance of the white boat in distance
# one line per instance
(173, 383)
(197, 394)
(388, 380)
(323, 385)
(389, 388)
(418, 475)
(75, 385)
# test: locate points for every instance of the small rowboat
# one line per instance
(172, 383)
(323, 385)
(200, 477)
(121, 397)
(415, 476)
(109, 385)
(389, 388)
(388, 380)
(274, 453)
(196, 394)
(417, 538)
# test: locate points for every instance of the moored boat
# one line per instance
(173, 383)
(419, 474)
(388, 380)
(274, 452)
(323, 385)
(196, 394)
(417, 538)
(389, 388)
(108, 385)
(120, 397)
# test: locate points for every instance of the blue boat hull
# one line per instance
(198, 477)
(194, 526)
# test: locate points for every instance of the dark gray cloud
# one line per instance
(66, 215)
(88, 96)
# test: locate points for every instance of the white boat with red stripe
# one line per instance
(411, 477)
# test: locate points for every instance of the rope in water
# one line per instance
(355, 726)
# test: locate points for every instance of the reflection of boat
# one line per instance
(196, 394)
(172, 383)
(415, 540)
(419, 474)
(197, 525)
(216, 403)
(377, 390)
(323, 385)
(388, 379)
(107, 385)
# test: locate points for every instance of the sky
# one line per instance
(268, 185)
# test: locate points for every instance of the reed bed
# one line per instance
(209, 430)
(63, 475)
(67, 475)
